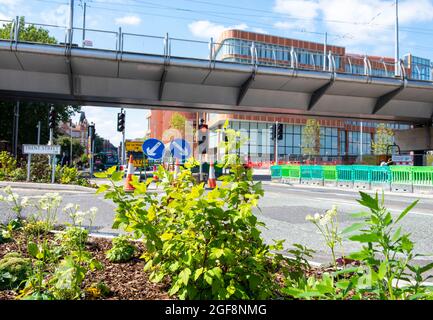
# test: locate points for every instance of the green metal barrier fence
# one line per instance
(362, 174)
(345, 173)
(380, 175)
(276, 172)
(395, 178)
(291, 173)
(401, 175)
(330, 173)
(422, 176)
(312, 172)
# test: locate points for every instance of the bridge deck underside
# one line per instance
(95, 77)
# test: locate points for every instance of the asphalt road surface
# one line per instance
(283, 210)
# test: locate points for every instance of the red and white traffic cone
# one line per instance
(177, 169)
(155, 176)
(128, 187)
(211, 181)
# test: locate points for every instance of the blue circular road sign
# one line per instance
(153, 149)
(180, 149)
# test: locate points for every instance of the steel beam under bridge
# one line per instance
(108, 78)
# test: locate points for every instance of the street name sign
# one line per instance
(153, 149)
(41, 149)
(180, 149)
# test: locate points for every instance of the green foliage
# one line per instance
(37, 228)
(97, 290)
(14, 269)
(73, 239)
(311, 138)
(40, 169)
(65, 144)
(7, 165)
(385, 268)
(122, 250)
(384, 137)
(207, 244)
(178, 121)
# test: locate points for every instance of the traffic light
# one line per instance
(91, 131)
(274, 132)
(120, 122)
(280, 132)
(203, 137)
(52, 119)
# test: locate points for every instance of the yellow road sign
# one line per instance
(134, 146)
(137, 162)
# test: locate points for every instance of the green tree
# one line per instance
(311, 138)
(31, 112)
(384, 138)
(65, 143)
(99, 144)
(178, 121)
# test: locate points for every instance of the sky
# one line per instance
(362, 26)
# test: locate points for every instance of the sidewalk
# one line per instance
(46, 186)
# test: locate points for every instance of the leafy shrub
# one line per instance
(385, 268)
(73, 239)
(207, 244)
(40, 170)
(36, 228)
(97, 290)
(19, 174)
(7, 164)
(121, 251)
(14, 269)
(5, 235)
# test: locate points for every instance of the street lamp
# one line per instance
(70, 154)
(397, 41)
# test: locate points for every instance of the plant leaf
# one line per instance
(406, 211)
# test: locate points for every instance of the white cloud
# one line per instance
(58, 16)
(128, 20)
(207, 29)
(10, 3)
(370, 21)
(105, 120)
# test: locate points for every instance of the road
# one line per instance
(283, 210)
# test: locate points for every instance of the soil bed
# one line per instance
(126, 281)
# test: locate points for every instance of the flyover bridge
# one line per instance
(68, 73)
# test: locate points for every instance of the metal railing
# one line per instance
(255, 54)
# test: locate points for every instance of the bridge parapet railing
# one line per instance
(257, 54)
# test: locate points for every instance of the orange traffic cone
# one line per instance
(128, 187)
(155, 176)
(177, 169)
(211, 181)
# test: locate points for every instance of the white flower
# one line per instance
(309, 218)
(68, 207)
(25, 202)
(325, 219)
(8, 190)
(11, 198)
(317, 217)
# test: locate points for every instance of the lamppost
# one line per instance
(397, 41)
(70, 154)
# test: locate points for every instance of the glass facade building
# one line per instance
(341, 143)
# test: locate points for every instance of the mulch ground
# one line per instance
(126, 281)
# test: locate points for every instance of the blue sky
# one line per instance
(362, 26)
